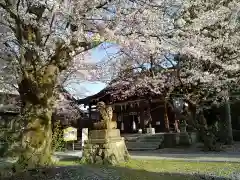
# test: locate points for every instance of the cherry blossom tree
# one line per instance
(204, 36)
(42, 39)
(200, 43)
(208, 35)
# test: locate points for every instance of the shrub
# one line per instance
(58, 143)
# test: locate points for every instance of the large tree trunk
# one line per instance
(36, 137)
(208, 137)
(228, 123)
(192, 115)
(166, 120)
(37, 93)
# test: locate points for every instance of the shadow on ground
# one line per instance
(86, 172)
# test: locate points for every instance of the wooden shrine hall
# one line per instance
(134, 112)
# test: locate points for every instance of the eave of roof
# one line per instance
(109, 92)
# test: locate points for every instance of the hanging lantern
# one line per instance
(134, 126)
(119, 119)
(178, 104)
(138, 119)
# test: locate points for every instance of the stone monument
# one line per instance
(104, 144)
(184, 138)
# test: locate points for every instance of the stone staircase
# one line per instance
(134, 142)
(143, 142)
(77, 145)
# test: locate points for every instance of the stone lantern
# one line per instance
(179, 106)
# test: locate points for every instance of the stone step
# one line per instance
(145, 137)
(142, 145)
(153, 136)
(151, 139)
(141, 149)
(77, 146)
(131, 139)
(159, 139)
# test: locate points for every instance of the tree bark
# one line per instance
(37, 93)
(36, 137)
(208, 137)
(149, 115)
(166, 120)
(192, 114)
(228, 122)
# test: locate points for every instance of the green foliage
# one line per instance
(58, 143)
(3, 148)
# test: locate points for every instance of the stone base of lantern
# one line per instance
(105, 147)
(150, 130)
(184, 139)
(172, 140)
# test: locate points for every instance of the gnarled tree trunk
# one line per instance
(36, 137)
(166, 120)
(37, 93)
(228, 123)
(192, 115)
(208, 137)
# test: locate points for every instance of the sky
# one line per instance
(87, 88)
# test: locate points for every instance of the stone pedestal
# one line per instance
(184, 139)
(105, 147)
(150, 130)
(172, 140)
(183, 128)
(103, 125)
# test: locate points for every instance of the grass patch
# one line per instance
(216, 168)
(68, 163)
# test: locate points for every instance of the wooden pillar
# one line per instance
(142, 126)
(114, 118)
(142, 116)
(228, 122)
(138, 121)
(149, 116)
(121, 119)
